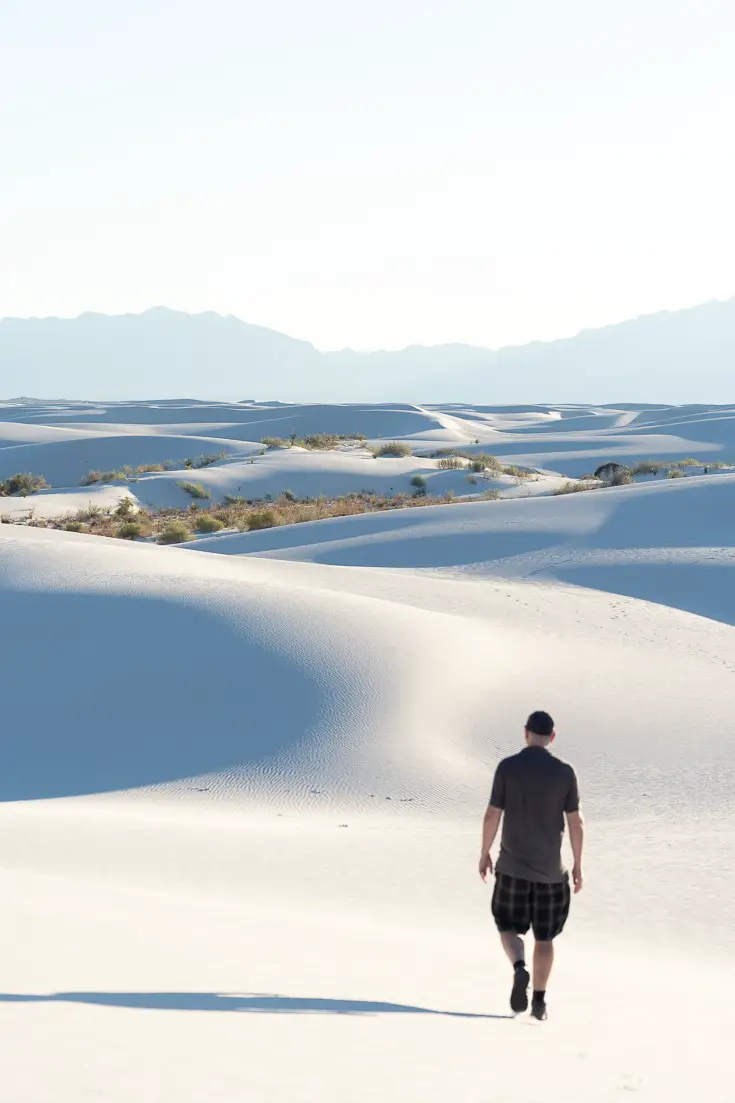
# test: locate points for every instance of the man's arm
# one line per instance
(575, 823)
(489, 830)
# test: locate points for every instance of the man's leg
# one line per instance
(511, 910)
(543, 959)
(513, 946)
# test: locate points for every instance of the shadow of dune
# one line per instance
(225, 1001)
(106, 691)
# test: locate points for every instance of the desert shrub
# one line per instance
(491, 495)
(277, 442)
(173, 533)
(450, 463)
(206, 459)
(395, 448)
(622, 478)
(90, 478)
(472, 479)
(73, 526)
(288, 495)
(196, 490)
(261, 519)
(449, 496)
(515, 471)
(418, 481)
(21, 485)
(319, 442)
(125, 508)
(482, 461)
(129, 530)
(675, 473)
(207, 523)
(90, 513)
(647, 467)
(574, 487)
(688, 462)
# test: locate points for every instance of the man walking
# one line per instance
(532, 791)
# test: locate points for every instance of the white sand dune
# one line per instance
(64, 463)
(348, 470)
(241, 803)
(669, 541)
(56, 504)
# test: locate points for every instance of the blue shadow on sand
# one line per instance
(225, 1001)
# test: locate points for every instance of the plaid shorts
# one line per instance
(518, 905)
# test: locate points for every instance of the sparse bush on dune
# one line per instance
(675, 473)
(419, 484)
(129, 530)
(320, 442)
(648, 467)
(517, 472)
(313, 442)
(173, 533)
(288, 495)
(491, 495)
(205, 460)
(261, 519)
(207, 523)
(73, 526)
(125, 508)
(395, 448)
(575, 488)
(196, 490)
(450, 463)
(22, 484)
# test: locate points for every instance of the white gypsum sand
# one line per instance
(242, 797)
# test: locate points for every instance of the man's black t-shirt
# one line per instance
(534, 790)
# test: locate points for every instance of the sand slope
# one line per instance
(241, 802)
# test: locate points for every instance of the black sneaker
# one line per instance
(519, 992)
(538, 1010)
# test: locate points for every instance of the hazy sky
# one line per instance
(368, 172)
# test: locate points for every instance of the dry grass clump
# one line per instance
(204, 460)
(314, 442)
(129, 530)
(395, 448)
(575, 487)
(450, 463)
(516, 472)
(21, 485)
(126, 472)
(205, 522)
(196, 490)
(173, 533)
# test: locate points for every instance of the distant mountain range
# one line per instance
(679, 356)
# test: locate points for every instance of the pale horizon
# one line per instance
(407, 175)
